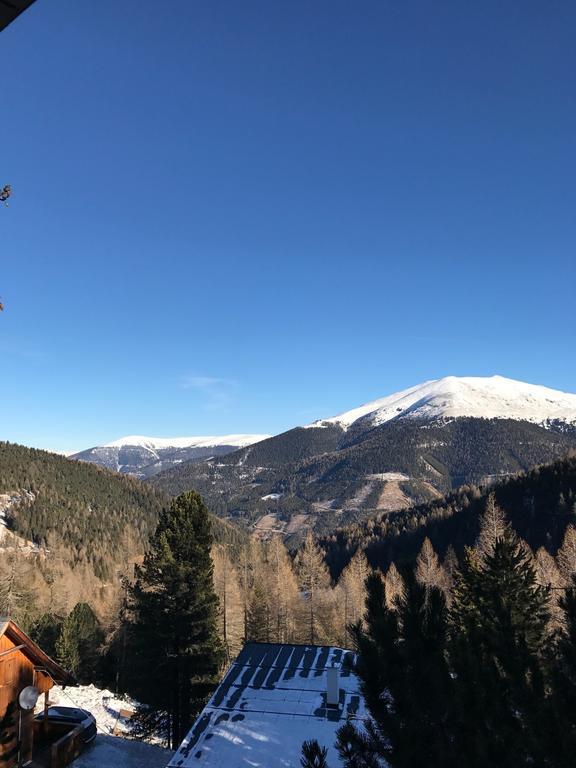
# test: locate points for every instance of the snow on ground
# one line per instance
(108, 750)
(488, 397)
(103, 704)
(114, 752)
(388, 476)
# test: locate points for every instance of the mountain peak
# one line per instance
(489, 397)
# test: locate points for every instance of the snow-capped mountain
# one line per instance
(145, 456)
(452, 397)
(155, 444)
(406, 447)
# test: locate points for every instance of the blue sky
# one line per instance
(238, 217)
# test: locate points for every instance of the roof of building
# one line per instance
(272, 699)
(34, 652)
(10, 9)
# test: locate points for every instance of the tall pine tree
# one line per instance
(78, 644)
(405, 680)
(499, 617)
(174, 644)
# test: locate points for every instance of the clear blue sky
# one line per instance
(241, 216)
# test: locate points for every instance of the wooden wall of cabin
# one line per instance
(16, 672)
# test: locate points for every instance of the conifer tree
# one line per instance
(566, 556)
(429, 571)
(313, 755)
(562, 741)
(258, 614)
(282, 592)
(78, 644)
(352, 584)
(17, 596)
(251, 565)
(394, 587)
(548, 575)
(230, 602)
(314, 580)
(493, 524)
(499, 616)
(405, 681)
(45, 631)
(173, 640)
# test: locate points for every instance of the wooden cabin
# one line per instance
(23, 664)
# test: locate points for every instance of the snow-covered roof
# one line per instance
(271, 700)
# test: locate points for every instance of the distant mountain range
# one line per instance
(406, 448)
(146, 456)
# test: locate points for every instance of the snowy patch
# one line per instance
(112, 712)
(272, 496)
(112, 752)
(387, 476)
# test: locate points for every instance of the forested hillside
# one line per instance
(540, 505)
(91, 515)
(326, 477)
(71, 528)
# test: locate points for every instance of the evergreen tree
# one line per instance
(78, 644)
(405, 681)
(499, 617)
(313, 755)
(258, 615)
(562, 742)
(45, 631)
(173, 641)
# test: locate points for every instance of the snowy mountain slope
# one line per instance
(158, 443)
(145, 456)
(435, 436)
(494, 397)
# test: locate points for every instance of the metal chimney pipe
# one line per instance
(333, 685)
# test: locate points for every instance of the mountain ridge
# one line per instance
(471, 396)
(143, 456)
(371, 459)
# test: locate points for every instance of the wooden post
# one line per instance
(45, 718)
